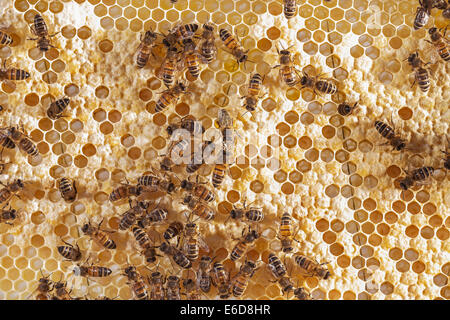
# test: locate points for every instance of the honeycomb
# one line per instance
(295, 153)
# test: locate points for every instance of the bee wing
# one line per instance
(202, 244)
(224, 118)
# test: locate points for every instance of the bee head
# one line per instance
(400, 146)
(12, 213)
(185, 184)
(170, 129)
(432, 30)
(187, 199)
(405, 183)
(85, 228)
(303, 80)
(20, 183)
(171, 187)
(327, 275)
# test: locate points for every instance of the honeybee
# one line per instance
(39, 29)
(176, 149)
(289, 8)
(145, 243)
(322, 85)
(129, 217)
(388, 132)
(312, 268)
(288, 72)
(285, 233)
(416, 176)
(67, 189)
(9, 190)
(57, 107)
(203, 274)
(173, 288)
(208, 47)
(5, 39)
(91, 271)
(6, 141)
(440, 4)
(157, 281)
(276, 266)
(178, 256)
(169, 66)
(191, 291)
(69, 252)
(253, 91)
(44, 288)
(220, 168)
(241, 247)
(440, 43)
(174, 229)
(137, 283)
(99, 236)
(192, 241)
(198, 190)
(231, 43)
(187, 123)
(125, 191)
(17, 136)
(153, 183)
(61, 292)
(447, 160)
(191, 58)
(197, 159)
(420, 74)
(154, 216)
(221, 279)
(301, 294)
(225, 125)
(199, 208)
(423, 13)
(250, 214)
(8, 215)
(145, 48)
(344, 109)
(246, 271)
(186, 31)
(13, 74)
(170, 96)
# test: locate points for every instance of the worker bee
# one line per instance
(192, 241)
(301, 294)
(285, 233)
(57, 107)
(99, 236)
(44, 288)
(8, 215)
(125, 191)
(186, 31)
(13, 74)
(145, 48)
(322, 85)
(5, 39)
(170, 66)
(289, 8)
(241, 247)
(447, 160)
(225, 125)
(199, 208)
(39, 29)
(191, 58)
(10, 189)
(440, 43)
(176, 150)
(178, 256)
(187, 123)
(208, 47)
(137, 283)
(67, 189)
(276, 266)
(416, 176)
(174, 229)
(250, 214)
(231, 43)
(220, 168)
(203, 274)
(170, 96)
(421, 74)
(69, 252)
(423, 13)
(145, 243)
(253, 91)
(191, 291)
(344, 109)
(246, 271)
(388, 132)
(312, 268)
(153, 183)
(61, 292)
(157, 281)
(288, 72)
(198, 190)
(154, 216)
(17, 136)
(173, 288)
(221, 279)
(91, 271)
(129, 217)
(197, 157)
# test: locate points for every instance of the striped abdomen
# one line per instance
(288, 75)
(149, 181)
(96, 271)
(277, 267)
(16, 74)
(173, 230)
(203, 211)
(6, 142)
(254, 215)
(193, 65)
(240, 285)
(218, 174)
(67, 189)
(192, 249)
(103, 239)
(40, 28)
(443, 49)
(143, 55)
(141, 237)
(165, 100)
(5, 195)
(28, 146)
(255, 84)
(57, 107)
(187, 30)
(421, 18)
(157, 215)
(423, 79)
(203, 193)
(124, 192)
(229, 41)
(385, 130)
(140, 290)
(127, 220)
(422, 173)
(289, 8)
(70, 253)
(181, 260)
(304, 263)
(326, 87)
(207, 51)
(238, 251)
(168, 72)
(5, 39)
(285, 225)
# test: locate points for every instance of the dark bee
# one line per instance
(173, 288)
(99, 236)
(199, 208)
(198, 190)
(301, 294)
(197, 159)
(208, 47)
(61, 292)
(170, 96)
(44, 288)
(221, 279)
(57, 107)
(174, 229)
(154, 183)
(241, 247)
(129, 217)
(149, 250)
(169, 66)
(417, 175)
(191, 291)
(246, 271)
(8, 215)
(187, 123)
(389, 133)
(145, 48)
(312, 268)
(191, 58)
(13, 74)
(439, 41)
(322, 85)
(154, 216)
(6, 141)
(5, 39)
(423, 13)
(344, 109)
(276, 266)
(253, 91)
(22, 141)
(285, 233)
(203, 274)
(124, 191)
(178, 256)
(288, 72)
(10, 189)
(137, 283)
(250, 214)
(231, 43)
(39, 29)
(69, 252)
(447, 160)
(67, 189)
(420, 74)
(289, 8)
(157, 281)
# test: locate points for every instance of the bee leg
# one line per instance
(54, 34)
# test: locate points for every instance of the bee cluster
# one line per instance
(187, 47)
